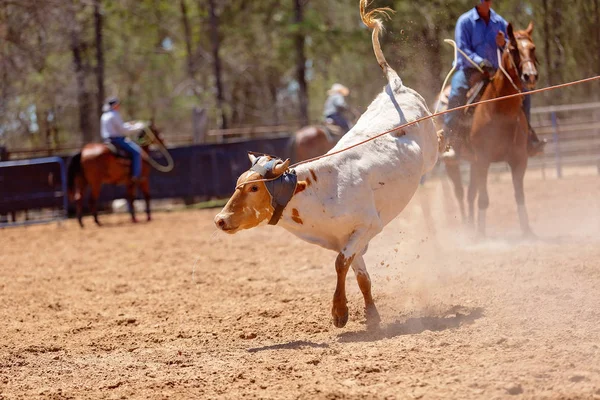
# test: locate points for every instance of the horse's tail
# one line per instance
(73, 171)
(370, 20)
(291, 148)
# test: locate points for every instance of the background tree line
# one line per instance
(259, 62)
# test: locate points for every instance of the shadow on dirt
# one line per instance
(453, 318)
(289, 346)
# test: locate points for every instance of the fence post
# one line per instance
(199, 125)
(556, 139)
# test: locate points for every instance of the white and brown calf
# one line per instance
(342, 201)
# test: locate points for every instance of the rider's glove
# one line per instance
(485, 64)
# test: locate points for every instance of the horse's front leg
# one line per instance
(94, 195)
(474, 175)
(130, 198)
(364, 283)
(517, 169)
(145, 188)
(483, 201)
(453, 171)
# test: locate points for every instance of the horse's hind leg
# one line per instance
(79, 193)
(483, 201)
(517, 169)
(475, 173)
(453, 171)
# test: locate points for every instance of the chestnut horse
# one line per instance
(96, 165)
(312, 141)
(499, 130)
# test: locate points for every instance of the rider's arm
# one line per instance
(120, 127)
(464, 40)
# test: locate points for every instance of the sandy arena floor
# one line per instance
(172, 309)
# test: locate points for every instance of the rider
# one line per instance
(336, 106)
(115, 131)
(475, 34)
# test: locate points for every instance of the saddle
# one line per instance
(117, 151)
(334, 132)
(478, 84)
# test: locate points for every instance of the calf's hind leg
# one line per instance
(364, 283)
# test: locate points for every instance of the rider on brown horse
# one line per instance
(336, 107)
(115, 132)
(475, 35)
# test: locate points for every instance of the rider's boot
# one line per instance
(535, 146)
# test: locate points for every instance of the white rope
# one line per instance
(456, 51)
(162, 149)
(504, 71)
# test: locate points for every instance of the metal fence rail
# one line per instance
(33, 184)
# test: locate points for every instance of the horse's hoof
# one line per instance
(98, 223)
(148, 219)
(373, 318)
(134, 220)
(340, 320)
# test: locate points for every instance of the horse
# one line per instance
(499, 129)
(312, 141)
(98, 164)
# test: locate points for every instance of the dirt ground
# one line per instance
(173, 309)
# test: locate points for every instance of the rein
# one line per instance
(506, 74)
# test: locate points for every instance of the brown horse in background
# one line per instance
(499, 130)
(312, 141)
(97, 164)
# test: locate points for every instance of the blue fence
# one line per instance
(206, 171)
(33, 184)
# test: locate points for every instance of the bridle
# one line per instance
(519, 68)
(280, 187)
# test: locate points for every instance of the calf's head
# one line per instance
(251, 203)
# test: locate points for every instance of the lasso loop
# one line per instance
(162, 148)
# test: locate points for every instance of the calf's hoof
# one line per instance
(340, 317)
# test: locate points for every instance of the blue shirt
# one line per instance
(478, 39)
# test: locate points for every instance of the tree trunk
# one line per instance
(187, 34)
(83, 95)
(214, 36)
(557, 21)
(301, 62)
(98, 23)
(547, 49)
(597, 27)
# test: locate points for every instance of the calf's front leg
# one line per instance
(354, 248)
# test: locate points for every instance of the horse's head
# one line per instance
(252, 202)
(519, 58)
(150, 135)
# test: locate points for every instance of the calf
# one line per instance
(340, 202)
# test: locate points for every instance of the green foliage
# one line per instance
(148, 66)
